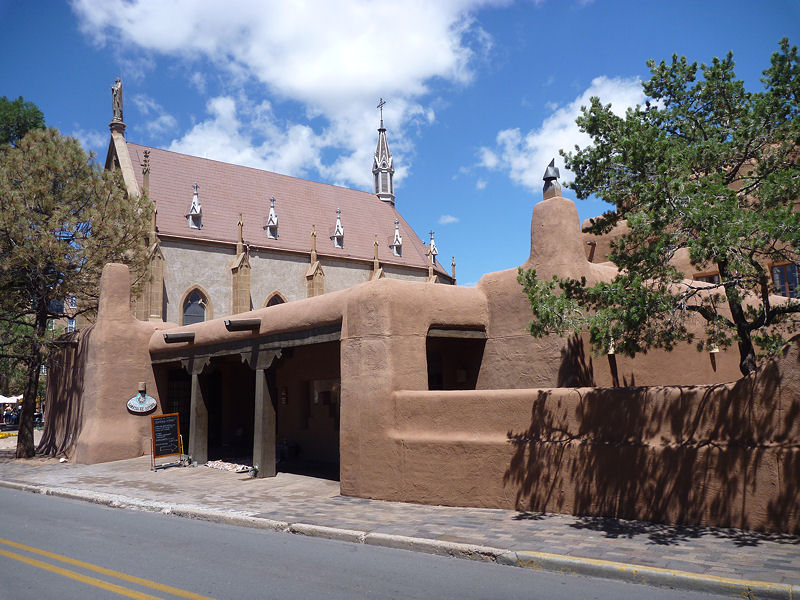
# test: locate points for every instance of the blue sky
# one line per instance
(480, 93)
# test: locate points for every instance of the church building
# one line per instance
(226, 238)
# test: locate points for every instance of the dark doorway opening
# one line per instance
(307, 391)
(454, 359)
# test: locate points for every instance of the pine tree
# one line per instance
(61, 219)
(705, 167)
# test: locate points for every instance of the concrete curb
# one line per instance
(682, 580)
(653, 576)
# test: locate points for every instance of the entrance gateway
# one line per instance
(272, 401)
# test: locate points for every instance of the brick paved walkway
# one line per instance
(295, 498)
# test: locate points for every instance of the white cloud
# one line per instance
(159, 121)
(198, 80)
(260, 141)
(335, 58)
(525, 156)
(480, 184)
(448, 220)
(92, 141)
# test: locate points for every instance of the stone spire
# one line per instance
(432, 252)
(240, 242)
(377, 270)
(382, 164)
(240, 274)
(153, 237)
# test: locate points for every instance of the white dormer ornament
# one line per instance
(338, 232)
(432, 249)
(272, 221)
(397, 242)
(195, 214)
(432, 252)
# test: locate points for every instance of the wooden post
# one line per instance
(198, 413)
(264, 430)
(264, 421)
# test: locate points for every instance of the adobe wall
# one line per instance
(721, 455)
(383, 349)
(88, 418)
(514, 359)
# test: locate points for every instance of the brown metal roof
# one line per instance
(226, 190)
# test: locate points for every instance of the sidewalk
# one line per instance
(692, 557)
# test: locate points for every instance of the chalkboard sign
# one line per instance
(166, 430)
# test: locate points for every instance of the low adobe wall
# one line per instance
(722, 455)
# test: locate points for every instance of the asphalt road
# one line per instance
(56, 548)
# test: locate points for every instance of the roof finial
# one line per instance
(550, 178)
(240, 243)
(381, 103)
(432, 249)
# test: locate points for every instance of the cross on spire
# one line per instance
(381, 103)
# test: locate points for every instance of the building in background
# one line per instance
(226, 238)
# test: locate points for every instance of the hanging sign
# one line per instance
(141, 403)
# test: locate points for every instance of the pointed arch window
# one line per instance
(195, 308)
(275, 298)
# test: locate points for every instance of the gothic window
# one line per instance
(194, 307)
(275, 298)
(785, 277)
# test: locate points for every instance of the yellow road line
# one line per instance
(117, 589)
(97, 569)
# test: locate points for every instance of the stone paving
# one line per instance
(300, 499)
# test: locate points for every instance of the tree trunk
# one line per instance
(747, 353)
(25, 446)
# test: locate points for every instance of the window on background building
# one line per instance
(194, 308)
(275, 299)
(70, 325)
(785, 278)
(707, 277)
(72, 302)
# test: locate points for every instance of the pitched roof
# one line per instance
(226, 190)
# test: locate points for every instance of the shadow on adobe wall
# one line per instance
(722, 455)
(576, 370)
(65, 375)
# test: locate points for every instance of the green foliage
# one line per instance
(62, 219)
(17, 118)
(705, 167)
